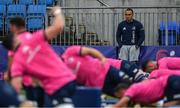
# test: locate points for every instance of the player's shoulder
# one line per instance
(137, 22)
(122, 23)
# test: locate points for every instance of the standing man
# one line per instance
(130, 36)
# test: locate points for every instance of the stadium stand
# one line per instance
(36, 10)
(16, 10)
(6, 2)
(2, 19)
(76, 32)
(2, 10)
(36, 17)
(26, 2)
(46, 2)
(173, 32)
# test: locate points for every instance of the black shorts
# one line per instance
(64, 94)
(172, 91)
(35, 94)
(113, 78)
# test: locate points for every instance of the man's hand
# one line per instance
(57, 25)
(56, 11)
(17, 83)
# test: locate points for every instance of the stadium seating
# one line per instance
(46, 2)
(87, 97)
(36, 10)
(2, 10)
(36, 17)
(173, 32)
(16, 10)
(173, 26)
(35, 23)
(6, 2)
(1, 24)
(25, 2)
(2, 16)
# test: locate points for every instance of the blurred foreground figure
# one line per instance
(150, 91)
(35, 57)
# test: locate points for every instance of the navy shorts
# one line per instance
(129, 68)
(172, 91)
(113, 78)
(35, 94)
(64, 94)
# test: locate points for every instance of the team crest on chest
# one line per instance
(134, 28)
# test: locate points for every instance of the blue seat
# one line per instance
(172, 40)
(1, 24)
(35, 23)
(26, 2)
(2, 10)
(36, 10)
(162, 26)
(2, 16)
(36, 17)
(87, 97)
(16, 10)
(6, 2)
(46, 2)
(173, 32)
(172, 25)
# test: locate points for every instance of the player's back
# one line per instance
(89, 71)
(40, 61)
(148, 91)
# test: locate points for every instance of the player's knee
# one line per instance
(129, 68)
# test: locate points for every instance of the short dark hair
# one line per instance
(144, 65)
(8, 42)
(130, 9)
(18, 22)
(125, 83)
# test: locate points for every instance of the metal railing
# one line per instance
(97, 25)
(103, 3)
